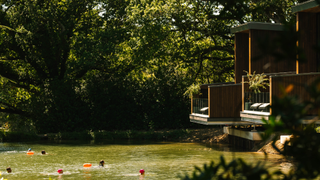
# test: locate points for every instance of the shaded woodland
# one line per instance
(116, 65)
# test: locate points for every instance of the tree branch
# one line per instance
(12, 110)
(218, 59)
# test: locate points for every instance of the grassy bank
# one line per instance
(186, 135)
(8, 136)
(170, 135)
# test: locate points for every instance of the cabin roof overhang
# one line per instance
(308, 6)
(244, 28)
(205, 86)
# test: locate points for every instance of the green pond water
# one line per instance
(123, 160)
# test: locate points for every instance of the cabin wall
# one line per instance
(241, 53)
(225, 101)
(298, 82)
(261, 63)
(307, 27)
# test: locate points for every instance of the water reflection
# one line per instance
(123, 159)
(13, 147)
(86, 173)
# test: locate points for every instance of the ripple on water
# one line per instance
(160, 160)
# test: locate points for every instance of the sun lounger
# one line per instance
(255, 106)
(264, 106)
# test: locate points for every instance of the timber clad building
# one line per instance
(231, 103)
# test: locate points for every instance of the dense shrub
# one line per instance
(84, 135)
(141, 135)
(18, 136)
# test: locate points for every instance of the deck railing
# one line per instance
(252, 98)
(200, 105)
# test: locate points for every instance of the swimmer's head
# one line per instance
(141, 171)
(101, 163)
(60, 171)
(43, 152)
(9, 170)
(29, 149)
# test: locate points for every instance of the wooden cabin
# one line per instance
(249, 40)
(230, 103)
(308, 28)
(223, 102)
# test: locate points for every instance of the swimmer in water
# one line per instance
(9, 170)
(101, 163)
(43, 152)
(60, 171)
(141, 171)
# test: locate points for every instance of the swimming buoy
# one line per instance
(30, 153)
(87, 165)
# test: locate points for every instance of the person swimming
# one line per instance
(9, 170)
(101, 163)
(141, 171)
(60, 171)
(141, 174)
(43, 152)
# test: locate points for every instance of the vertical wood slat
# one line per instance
(241, 55)
(279, 83)
(242, 92)
(307, 26)
(250, 47)
(262, 63)
(270, 93)
(225, 101)
(191, 104)
(209, 102)
(297, 29)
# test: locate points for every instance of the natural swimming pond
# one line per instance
(123, 160)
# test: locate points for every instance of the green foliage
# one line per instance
(193, 89)
(19, 137)
(287, 114)
(100, 135)
(2, 134)
(257, 81)
(236, 169)
(85, 135)
(82, 136)
(115, 65)
(172, 135)
(46, 53)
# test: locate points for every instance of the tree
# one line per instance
(195, 35)
(56, 54)
(47, 47)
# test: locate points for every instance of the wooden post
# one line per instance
(191, 104)
(270, 92)
(209, 102)
(242, 89)
(249, 52)
(297, 43)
